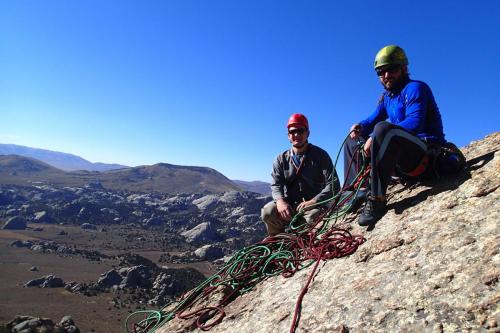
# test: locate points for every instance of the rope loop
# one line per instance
(283, 254)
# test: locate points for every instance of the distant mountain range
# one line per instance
(162, 177)
(23, 165)
(255, 186)
(63, 161)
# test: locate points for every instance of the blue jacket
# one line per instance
(413, 108)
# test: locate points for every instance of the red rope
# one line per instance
(293, 249)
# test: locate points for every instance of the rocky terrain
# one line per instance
(99, 254)
(432, 264)
(72, 246)
(227, 221)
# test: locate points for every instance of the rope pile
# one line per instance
(285, 254)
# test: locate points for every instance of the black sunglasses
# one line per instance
(297, 131)
(388, 69)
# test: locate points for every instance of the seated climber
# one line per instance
(302, 178)
(411, 144)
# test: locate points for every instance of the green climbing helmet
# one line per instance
(390, 55)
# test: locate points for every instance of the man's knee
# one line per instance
(274, 223)
(268, 211)
(311, 215)
(381, 129)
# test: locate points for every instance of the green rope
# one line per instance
(259, 259)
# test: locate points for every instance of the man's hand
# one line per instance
(368, 146)
(284, 209)
(303, 205)
(355, 131)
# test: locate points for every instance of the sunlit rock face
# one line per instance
(432, 264)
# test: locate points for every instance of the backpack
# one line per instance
(447, 160)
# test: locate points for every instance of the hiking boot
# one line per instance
(357, 201)
(373, 211)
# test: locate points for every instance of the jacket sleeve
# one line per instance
(416, 101)
(332, 184)
(378, 115)
(278, 179)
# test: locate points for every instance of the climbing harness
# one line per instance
(439, 161)
(421, 167)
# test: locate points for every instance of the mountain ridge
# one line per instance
(60, 160)
(72, 162)
(256, 186)
(161, 177)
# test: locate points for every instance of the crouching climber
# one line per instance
(302, 178)
(412, 144)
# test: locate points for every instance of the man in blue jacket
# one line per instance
(402, 143)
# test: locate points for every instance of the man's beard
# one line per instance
(397, 84)
(300, 146)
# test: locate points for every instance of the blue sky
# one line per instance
(212, 83)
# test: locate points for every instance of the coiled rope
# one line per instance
(285, 254)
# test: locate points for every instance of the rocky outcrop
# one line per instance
(59, 249)
(15, 223)
(136, 276)
(48, 281)
(206, 202)
(202, 233)
(43, 217)
(68, 325)
(431, 264)
(88, 226)
(19, 243)
(209, 252)
(138, 280)
(109, 279)
(28, 324)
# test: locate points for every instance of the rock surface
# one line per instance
(42, 217)
(202, 233)
(88, 226)
(15, 223)
(28, 324)
(209, 252)
(432, 264)
(48, 281)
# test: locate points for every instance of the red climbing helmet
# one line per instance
(298, 120)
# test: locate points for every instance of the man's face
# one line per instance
(298, 136)
(391, 76)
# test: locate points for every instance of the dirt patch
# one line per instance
(96, 313)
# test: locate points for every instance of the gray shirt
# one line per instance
(316, 179)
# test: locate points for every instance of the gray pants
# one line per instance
(275, 224)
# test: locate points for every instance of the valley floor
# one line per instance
(101, 313)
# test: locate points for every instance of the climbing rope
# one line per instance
(283, 254)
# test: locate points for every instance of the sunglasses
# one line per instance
(298, 131)
(389, 69)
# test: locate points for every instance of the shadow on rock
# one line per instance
(442, 184)
(437, 186)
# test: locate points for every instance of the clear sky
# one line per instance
(212, 83)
